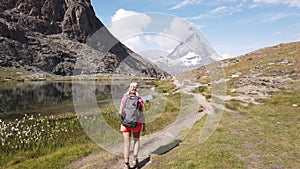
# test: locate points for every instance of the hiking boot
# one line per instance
(126, 166)
(135, 161)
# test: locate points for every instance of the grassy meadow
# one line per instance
(55, 141)
(264, 136)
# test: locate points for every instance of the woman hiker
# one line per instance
(135, 129)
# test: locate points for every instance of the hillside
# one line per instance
(259, 73)
(58, 37)
(260, 124)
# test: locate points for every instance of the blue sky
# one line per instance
(233, 27)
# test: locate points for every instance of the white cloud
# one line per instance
(126, 24)
(185, 3)
(135, 43)
(200, 16)
(219, 12)
(199, 27)
(179, 29)
(146, 42)
(219, 9)
(161, 41)
(166, 40)
(122, 13)
(273, 17)
(290, 3)
(226, 10)
(255, 5)
(130, 26)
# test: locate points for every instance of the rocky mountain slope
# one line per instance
(257, 75)
(55, 36)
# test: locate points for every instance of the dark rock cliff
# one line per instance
(54, 36)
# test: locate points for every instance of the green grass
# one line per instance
(164, 86)
(57, 159)
(200, 89)
(41, 139)
(165, 114)
(55, 141)
(265, 136)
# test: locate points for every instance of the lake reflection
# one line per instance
(44, 98)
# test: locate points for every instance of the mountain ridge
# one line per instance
(46, 36)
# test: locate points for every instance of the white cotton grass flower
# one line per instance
(30, 132)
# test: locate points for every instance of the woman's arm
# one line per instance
(143, 121)
(121, 108)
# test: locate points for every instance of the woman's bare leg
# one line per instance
(136, 143)
(126, 146)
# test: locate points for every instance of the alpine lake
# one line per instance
(44, 98)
